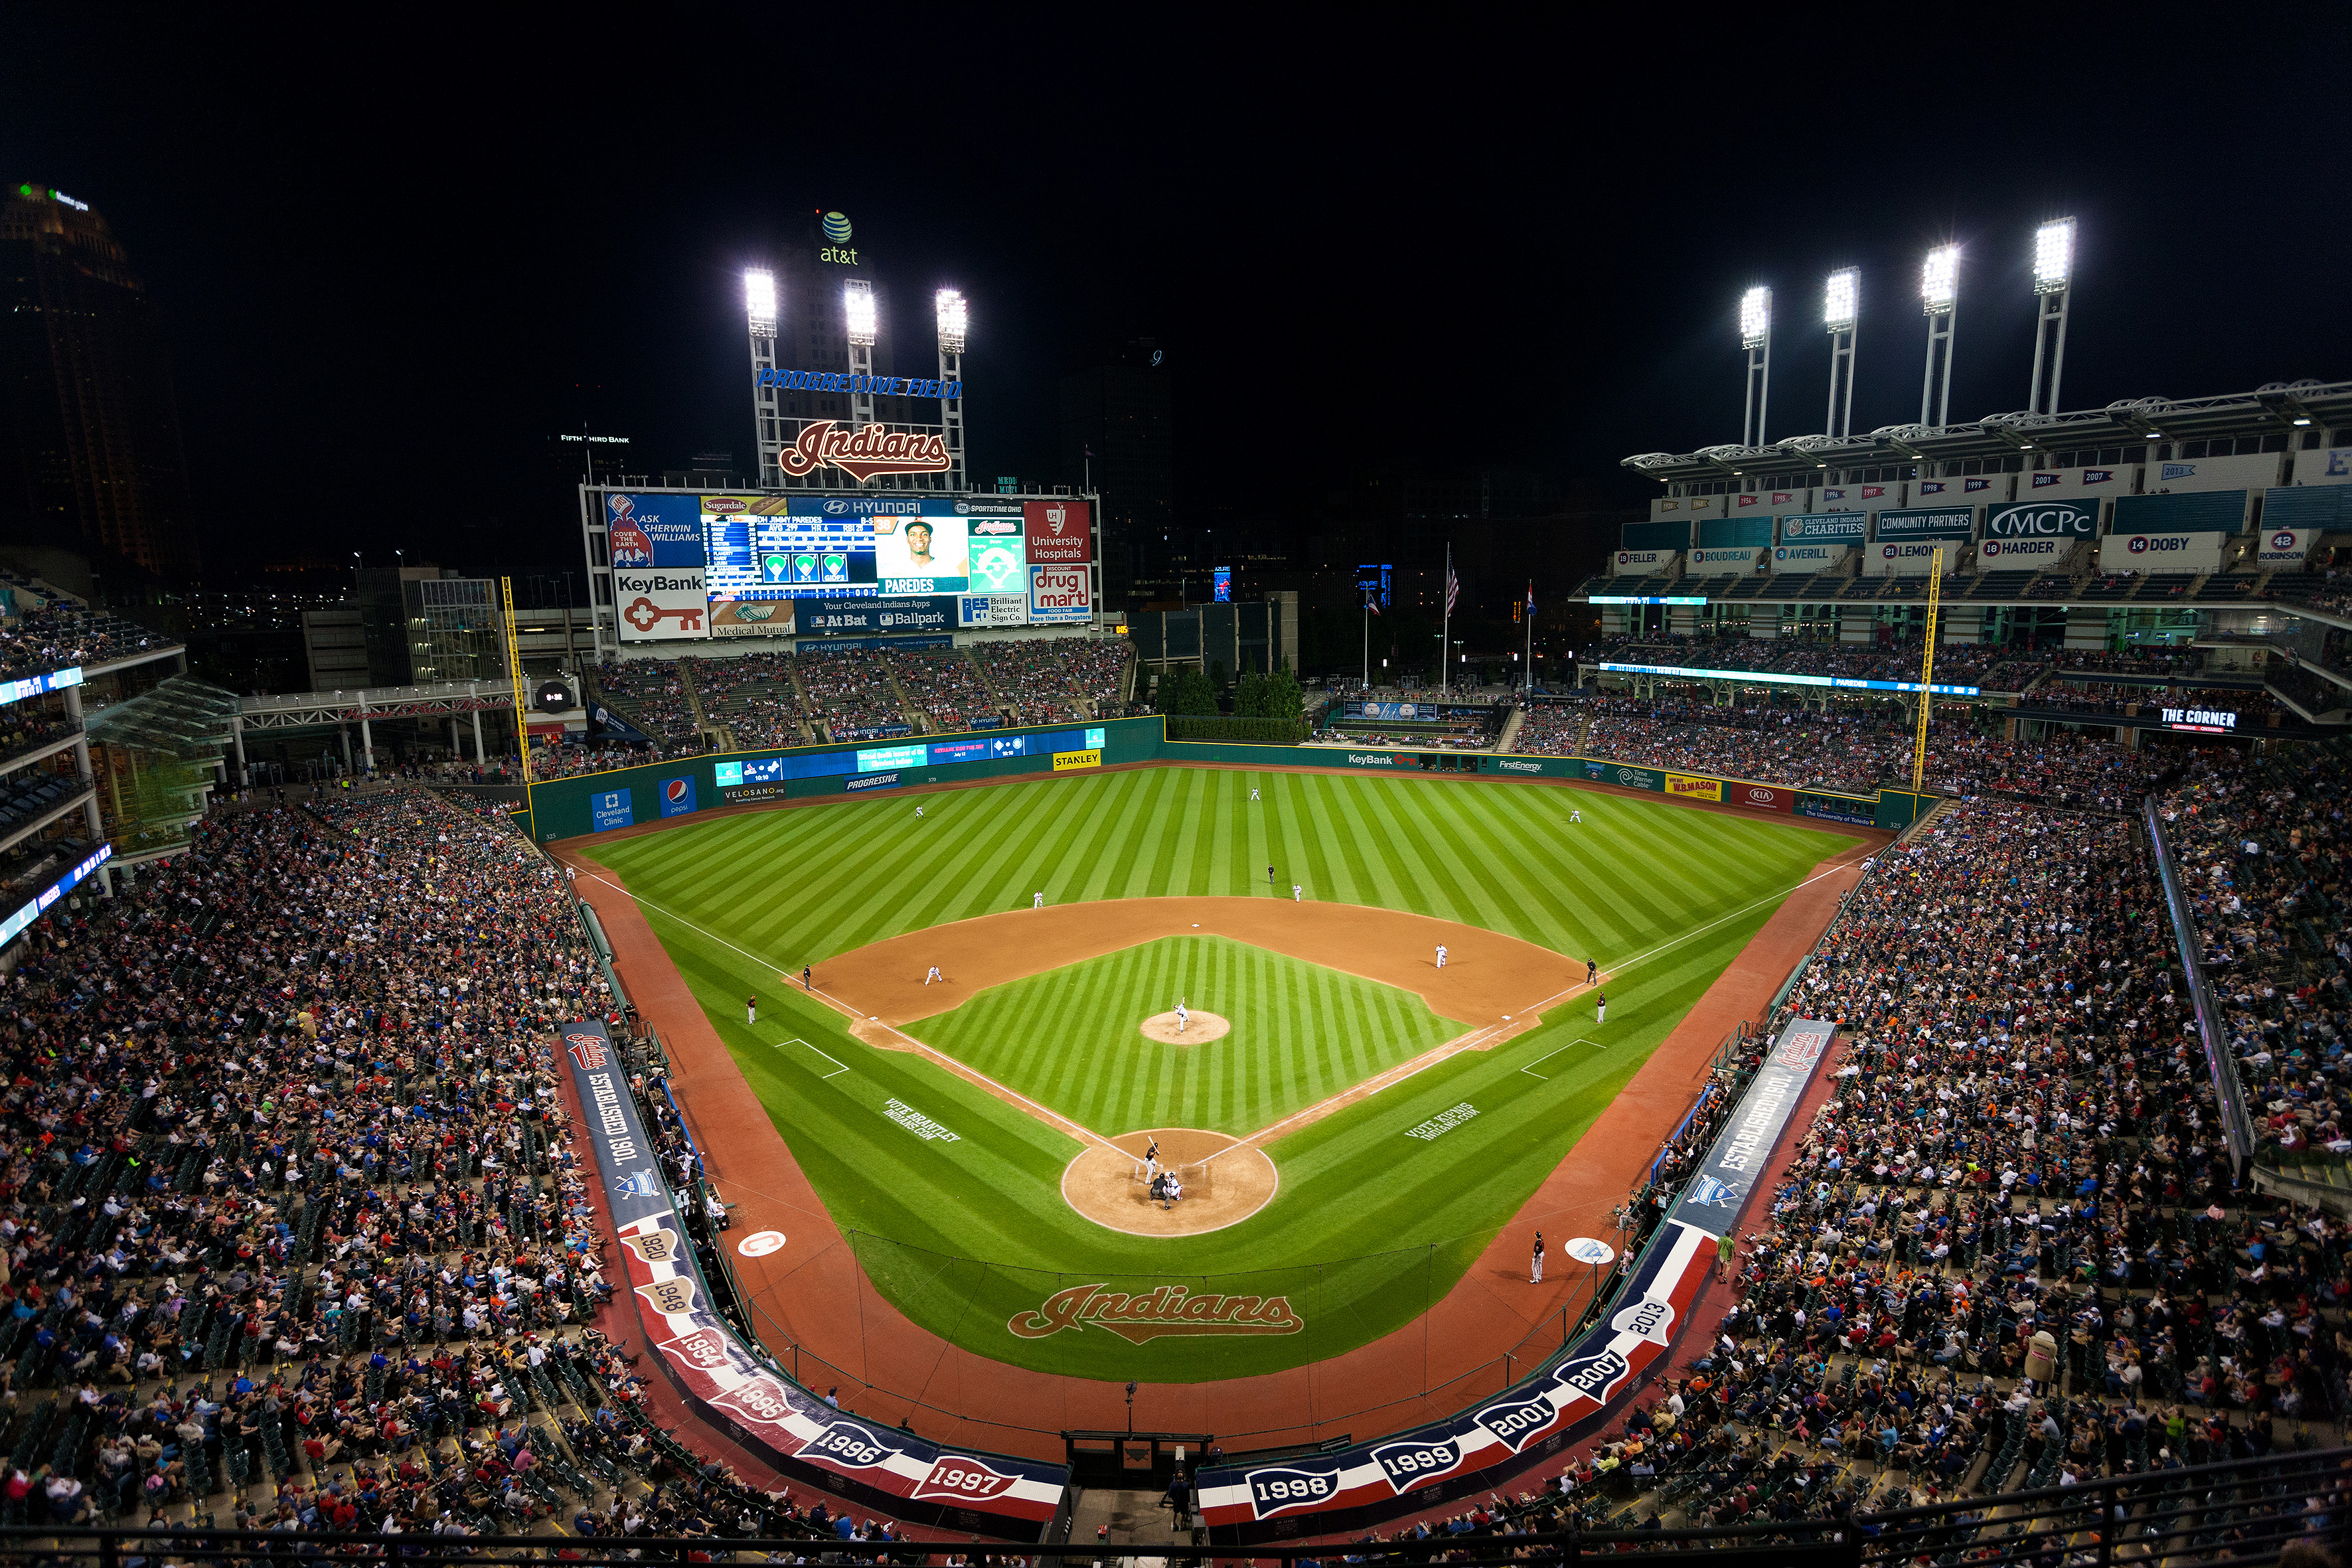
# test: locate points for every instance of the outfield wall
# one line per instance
(597, 803)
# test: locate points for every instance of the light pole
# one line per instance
(1939, 298)
(2053, 279)
(954, 318)
(1756, 337)
(760, 315)
(1838, 310)
(863, 321)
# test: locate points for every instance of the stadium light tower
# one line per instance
(2053, 282)
(1756, 337)
(1839, 302)
(760, 309)
(859, 311)
(954, 318)
(1939, 297)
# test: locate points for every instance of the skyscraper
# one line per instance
(89, 431)
(1121, 410)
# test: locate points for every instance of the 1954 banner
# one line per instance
(881, 1466)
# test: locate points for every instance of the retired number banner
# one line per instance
(875, 1465)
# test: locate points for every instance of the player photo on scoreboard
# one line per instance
(921, 555)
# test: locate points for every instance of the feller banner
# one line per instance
(1573, 1396)
(880, 1467)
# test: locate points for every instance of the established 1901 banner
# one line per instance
(880, 1466)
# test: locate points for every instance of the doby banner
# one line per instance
(1574, 1394)
(875, 1464)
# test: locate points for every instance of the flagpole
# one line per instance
(1365, 610)
(1531, 638)
(1446, 625)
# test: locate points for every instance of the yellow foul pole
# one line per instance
(1928, 672)
(522, 709)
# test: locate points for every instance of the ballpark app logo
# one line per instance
(1411, 1464)
(588, 1051)
(1592, 1376)
(1514, 1422)
(1170, 1312)
(965, 1479)
(1647, 1318)
(1280, 1489)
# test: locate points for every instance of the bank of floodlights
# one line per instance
(2054, 256)
(1840, 306)
(1755, 317)
(952, 318)
(760, 301)
(1939, 298)
(1840, 299)
(857, 310)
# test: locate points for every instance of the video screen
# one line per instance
(922, 555)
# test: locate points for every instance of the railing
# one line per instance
(2237, 1123)
(2246, 1513)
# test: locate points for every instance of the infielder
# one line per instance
(1038, 902)
(1441, 955)
(1601, 1008)
(1183, 1015)
(1297, 895)
(934, 974)
(1538, 1270)
(752, 1011)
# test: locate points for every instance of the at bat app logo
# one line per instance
(1514, 1421)
(851, 1445)
(964, 1478)
(1415, 1463)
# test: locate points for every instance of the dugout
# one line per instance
(1132, 1460)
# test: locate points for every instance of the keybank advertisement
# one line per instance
(1571, 1397)
(879, 1466)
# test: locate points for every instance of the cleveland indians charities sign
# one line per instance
(1169, 1310)
(861, 451)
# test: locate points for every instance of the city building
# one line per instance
(1119, 439)
(91, 449)
(408, 625)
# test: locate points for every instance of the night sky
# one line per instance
(391, 265)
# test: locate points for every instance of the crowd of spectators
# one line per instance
(29, 723)
(850, 689)
(1997, 667)
(753, 695)
(1051, 680)
(2172, 664)
(651, 694)
(1552, 728)
(2104, 699)
(60, 635)
(943, 685)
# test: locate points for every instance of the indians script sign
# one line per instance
(861, 451)
(1169, 1310)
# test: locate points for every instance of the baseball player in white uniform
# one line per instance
(1253, 792)
(934, 974)
(1575, 815)
(1183, 1015)
(1441, 955)
(1297, 895)
(1038, 902)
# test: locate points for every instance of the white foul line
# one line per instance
(1530, 1069)
(839, 1067)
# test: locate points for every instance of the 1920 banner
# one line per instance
(1574, 1394)
(882, 1467)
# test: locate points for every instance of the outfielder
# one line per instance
(1441, 955)
(933, 973)
(1253, 792)
(1575, 814)
(1537, 1271)
(1297, 895)
(919, 812)
(1038, 902)
(1601, 1008)
(752, 1011)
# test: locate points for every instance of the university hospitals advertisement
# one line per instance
(653, 530)
(1059, 595)
(2198, 552)
(1060, 533)
(868, 1462)
(1571, 1396)
(661, 606)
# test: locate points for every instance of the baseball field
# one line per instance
(971, 1083)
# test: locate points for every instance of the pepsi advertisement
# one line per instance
(653, 530)
(677, 796)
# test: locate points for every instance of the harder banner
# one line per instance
(877, 1466)
(1572, 1396)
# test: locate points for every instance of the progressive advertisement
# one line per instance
(1060, 533)
(1059, 595)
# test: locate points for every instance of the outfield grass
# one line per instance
(1301, 1033)
(1369, 1226)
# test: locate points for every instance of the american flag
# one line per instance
(1453, 589)
(1372, 601)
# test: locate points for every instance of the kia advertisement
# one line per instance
(1061, 533)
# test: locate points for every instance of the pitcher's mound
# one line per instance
(1224, 1183)
(1199, 1029)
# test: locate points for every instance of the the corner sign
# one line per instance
(863, 451)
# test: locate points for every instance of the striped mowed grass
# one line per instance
(1301, 1033)
(961, 1236)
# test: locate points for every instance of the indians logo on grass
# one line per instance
(1169, 1311)
(1514, 1421)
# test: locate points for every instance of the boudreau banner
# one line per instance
(1570, 1397)
(879, 1466)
